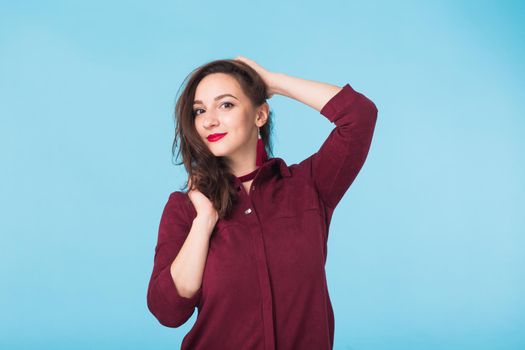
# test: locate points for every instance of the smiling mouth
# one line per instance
(215, 137)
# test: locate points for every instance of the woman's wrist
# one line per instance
(205, 221)
(274, 79)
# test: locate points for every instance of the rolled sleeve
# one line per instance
(336, 164)
(170, 292)
(163, 299)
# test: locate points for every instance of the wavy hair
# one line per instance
(211, 175)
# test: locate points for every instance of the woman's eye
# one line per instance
(195, 112)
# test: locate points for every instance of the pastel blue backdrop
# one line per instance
(426, 249)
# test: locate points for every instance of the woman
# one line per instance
(247, 243)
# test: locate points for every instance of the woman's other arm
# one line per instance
(180, 256)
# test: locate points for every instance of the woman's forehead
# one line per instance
(216, 86)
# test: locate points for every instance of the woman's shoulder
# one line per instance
(182, 202)
(178, 196)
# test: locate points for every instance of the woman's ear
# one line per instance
(262, 114)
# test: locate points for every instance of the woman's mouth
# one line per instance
(216, 137)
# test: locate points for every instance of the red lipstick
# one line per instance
(215, 137)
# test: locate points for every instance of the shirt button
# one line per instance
(248, 211)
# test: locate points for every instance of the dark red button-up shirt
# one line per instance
(264, 283)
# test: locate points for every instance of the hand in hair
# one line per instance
(202, 204)
(266, 75)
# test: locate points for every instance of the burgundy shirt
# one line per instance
(264, 283)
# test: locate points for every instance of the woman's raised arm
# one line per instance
(336, 164)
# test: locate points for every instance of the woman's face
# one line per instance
(220, 106)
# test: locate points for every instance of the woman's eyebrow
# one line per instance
(216, 98)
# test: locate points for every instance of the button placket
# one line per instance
(263, 276)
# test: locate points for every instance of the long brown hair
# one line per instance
(210, 174)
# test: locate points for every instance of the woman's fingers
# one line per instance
(265, 74)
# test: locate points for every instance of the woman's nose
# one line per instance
(210, 120)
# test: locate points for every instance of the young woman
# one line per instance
(247, 244)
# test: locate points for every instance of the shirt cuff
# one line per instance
(167, 287)
(338, 102)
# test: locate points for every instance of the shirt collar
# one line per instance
(269, 168)
(277, 165)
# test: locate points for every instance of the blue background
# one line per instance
(426, 249)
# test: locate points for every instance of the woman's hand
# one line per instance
(202, 204)
(266, 75)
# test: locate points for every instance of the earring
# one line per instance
(261, 156)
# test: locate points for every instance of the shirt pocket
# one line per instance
(303, 221)
(291, 212)
(297, 199)
(298, 242)
(300, 214)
